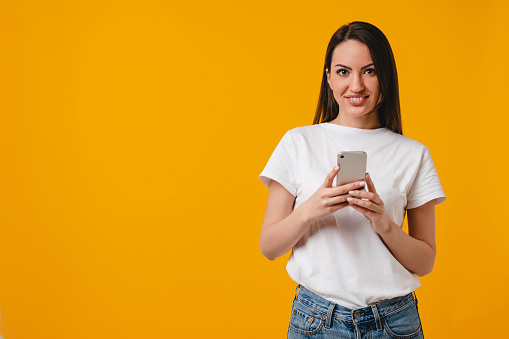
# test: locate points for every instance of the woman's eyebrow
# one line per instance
(349, 68)
(344, 66)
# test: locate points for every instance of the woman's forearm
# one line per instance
(282, 229)
(415, 255)
(278, 238)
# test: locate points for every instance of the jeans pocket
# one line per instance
(404, 323)
(305, 320)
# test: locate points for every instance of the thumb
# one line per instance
(329, 179)
(369, 182)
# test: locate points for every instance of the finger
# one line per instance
(337, 207)
(367, 213)
(367, 204)
(371, 185)
(338, 199)
(329, 179)
(366, 195)
(343, 189)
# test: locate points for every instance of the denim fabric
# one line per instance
(315, 317)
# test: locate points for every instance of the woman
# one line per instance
(355, 267)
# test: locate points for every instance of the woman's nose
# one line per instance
(356, 84)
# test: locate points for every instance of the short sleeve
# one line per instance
(281, 165)
(426, 185)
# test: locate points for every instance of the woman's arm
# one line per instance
(416, 251)
(282, 229)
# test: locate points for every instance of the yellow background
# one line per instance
(132, 134)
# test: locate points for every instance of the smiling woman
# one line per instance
(355, 87)
(355, 267)
(367, 47)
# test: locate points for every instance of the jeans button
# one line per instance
(357, 315)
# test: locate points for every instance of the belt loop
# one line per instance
(415, 297)
(377, 317)
(328, 321)
(297, 290)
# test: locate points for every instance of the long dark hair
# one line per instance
(389, 113)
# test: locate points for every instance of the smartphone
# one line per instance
(352, 167)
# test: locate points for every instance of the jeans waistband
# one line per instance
(368, 313)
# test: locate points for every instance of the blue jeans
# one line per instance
(317, 318)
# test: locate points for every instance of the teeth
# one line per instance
(356, 99)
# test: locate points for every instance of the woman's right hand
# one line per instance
(327, 199)
(282, 229)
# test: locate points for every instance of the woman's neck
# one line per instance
(369, 121)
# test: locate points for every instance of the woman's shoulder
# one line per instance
(300, 134)
(409, 144)
(305, 131)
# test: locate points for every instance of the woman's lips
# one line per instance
(356, 100)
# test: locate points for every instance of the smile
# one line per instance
(356, 100)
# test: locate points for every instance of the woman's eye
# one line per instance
(370, 71)
(342, 72)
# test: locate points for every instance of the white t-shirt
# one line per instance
(341, 258)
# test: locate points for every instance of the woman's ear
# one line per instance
(328, 77)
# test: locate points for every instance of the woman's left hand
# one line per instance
(373, 208)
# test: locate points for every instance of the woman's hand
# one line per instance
(282, 229)
(416, 251)
(372, 208)
(327, 199)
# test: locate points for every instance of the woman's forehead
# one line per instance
(351, 51)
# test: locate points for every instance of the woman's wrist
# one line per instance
(385, 226)
(301, 216)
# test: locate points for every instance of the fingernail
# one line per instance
(336, 168)
(351, 192)
(362, 183)
(349, 199)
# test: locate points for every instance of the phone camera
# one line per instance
(341, 156)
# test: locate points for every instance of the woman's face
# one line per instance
(354, 82)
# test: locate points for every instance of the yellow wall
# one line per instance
(132, 134)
